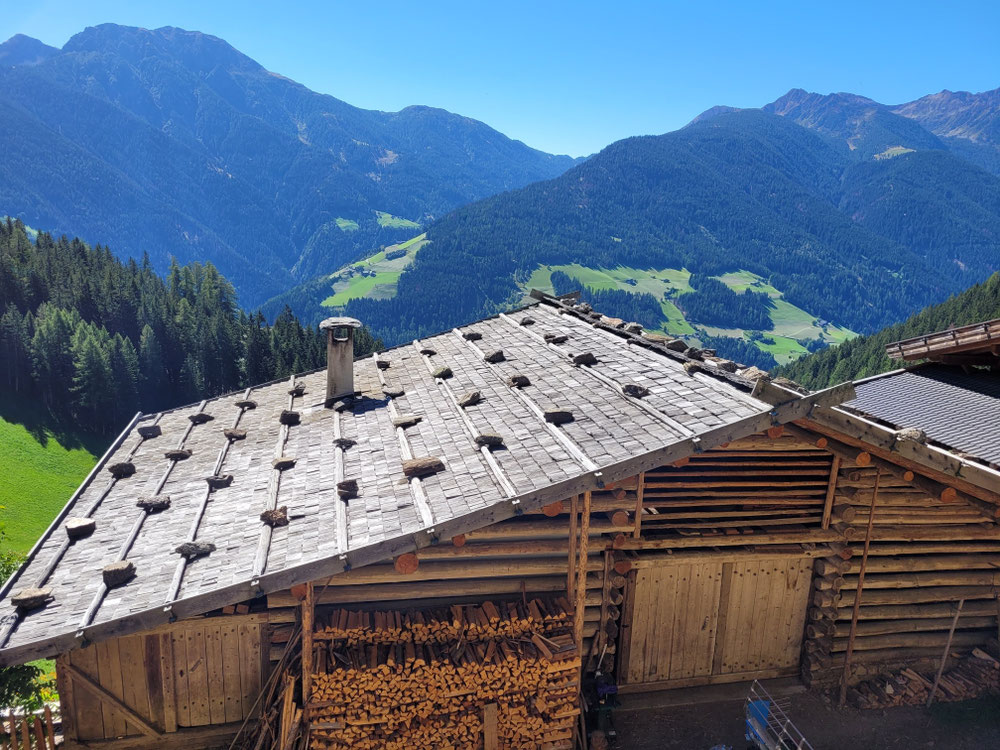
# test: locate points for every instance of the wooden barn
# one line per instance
(437, 545)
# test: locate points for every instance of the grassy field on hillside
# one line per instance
(346, 225)
(395, 222)
(790, 324)
(40, 472)
(375, 276)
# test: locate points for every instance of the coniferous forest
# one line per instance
(95, 339)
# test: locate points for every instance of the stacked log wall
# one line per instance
(926, 553)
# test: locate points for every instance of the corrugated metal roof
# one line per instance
(957, 409)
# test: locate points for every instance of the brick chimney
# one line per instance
(339, 356)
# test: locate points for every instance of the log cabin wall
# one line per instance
(925, 555)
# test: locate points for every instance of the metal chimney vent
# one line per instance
(339, 356)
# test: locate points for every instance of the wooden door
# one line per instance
(189, 674)
(708, 622)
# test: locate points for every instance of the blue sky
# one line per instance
(573, 77)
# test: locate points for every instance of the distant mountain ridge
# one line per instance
(856, 214)
(173, 142)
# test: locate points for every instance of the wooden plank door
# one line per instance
(702, 623)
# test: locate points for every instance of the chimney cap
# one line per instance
(339, 323)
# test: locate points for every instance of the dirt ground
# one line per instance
(644, 725)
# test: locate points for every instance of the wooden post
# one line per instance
(308, 616)
(947, 648)
(857, 595)
(581, 573)
(638, 504)
(490, 739)
(831, 491)
(574, 511)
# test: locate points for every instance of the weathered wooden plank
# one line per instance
(178, 647)
(169, 682)
(197, 673)
(135, 694)
(109, 671)
(86, 683)
(721, 633)
(250, 663)
(215, 666)
(231, 687)
(153, 679)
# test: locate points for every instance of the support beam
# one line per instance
(112, 701)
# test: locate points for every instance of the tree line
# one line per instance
(96, 339)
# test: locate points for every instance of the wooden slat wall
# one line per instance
(194, 673)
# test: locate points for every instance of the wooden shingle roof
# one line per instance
(575, 403)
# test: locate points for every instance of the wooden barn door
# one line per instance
(707, 622)
(190, 674)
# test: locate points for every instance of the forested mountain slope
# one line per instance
(861, 242)
(173, 143)
(90, 340)
(865, 355)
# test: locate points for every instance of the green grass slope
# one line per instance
(865, 355)
(41, 469)
(373, 277)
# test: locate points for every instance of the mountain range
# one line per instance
(173, 143)
(858, 214)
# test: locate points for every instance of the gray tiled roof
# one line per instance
(540, 462)
(959, 410)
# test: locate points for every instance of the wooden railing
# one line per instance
(27, 732)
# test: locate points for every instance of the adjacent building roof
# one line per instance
(946, 345)
(565, 403)
(957, 408)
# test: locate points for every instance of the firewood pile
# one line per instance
(444, 625)
(431, 679)
(974, 675)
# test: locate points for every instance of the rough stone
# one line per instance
(297, 390)
(494, 357)
(442, 372)
(583, 307)
(118, 573)
(470, 399)
(727, 365)
(422, 466)
(392, 390)
(275, 517)
(122, 470)
(585, 358)
(347, 489)
(613, 322)
(153, 503)
(149, 431)
(526, 321)
(635, 390)
(344, 443)
(200, 418)
(193, 550)
(428, 352)
(555, 338)
(633, 328)
(177, 454)
(790, 385)
(283, 463)
(382, 364)
(219, 481)
(658, 338)
(31, 598)
(692, 367)
(754, 373)
(471, 335)
(489, 440)
(406, 420)
(246, 404)
(234, 433)
(289, 417)
(558, 416)
(912, 433)
(518, 381)
(676, 345)
(78, 528)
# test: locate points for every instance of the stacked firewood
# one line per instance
(973, 676)
(445, 674)
(460, 622)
